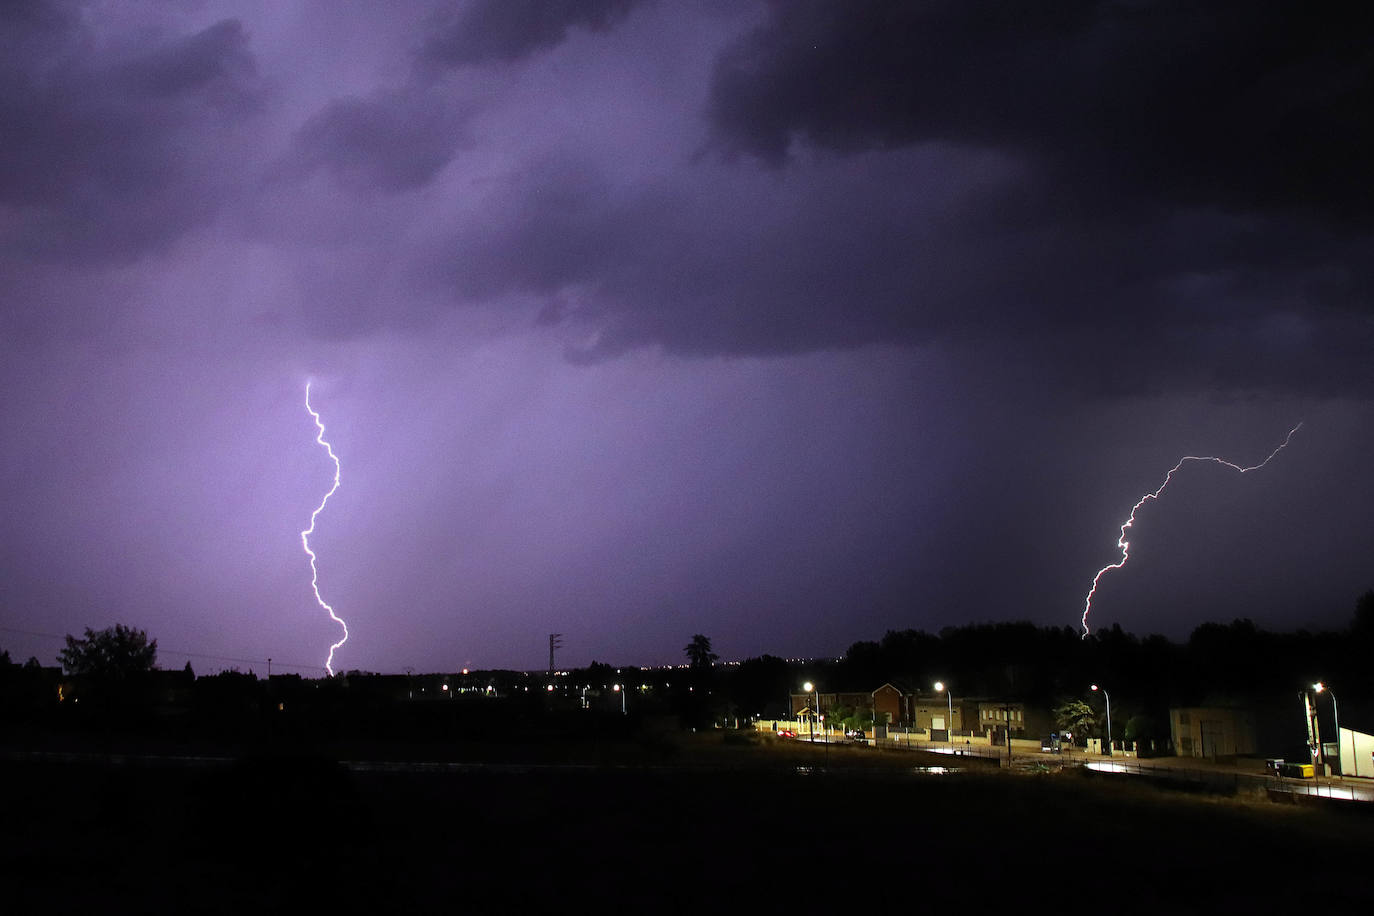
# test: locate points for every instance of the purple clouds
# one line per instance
(783, 323)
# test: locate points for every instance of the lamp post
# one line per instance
(1109, 717)
(622, 698)
(815, 707)
(949, 726)
(1319, 687)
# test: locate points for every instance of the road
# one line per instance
(1244, 774)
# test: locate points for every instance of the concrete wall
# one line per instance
(1212, 731)
(1357, 753)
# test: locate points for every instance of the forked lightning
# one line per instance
(1130, 520)
(305, 535)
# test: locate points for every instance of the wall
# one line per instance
(1357, 753)
(1211, 731)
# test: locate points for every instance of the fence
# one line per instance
(1209, 780)
(1327, 790)
(1237, 782)
(1212, 780)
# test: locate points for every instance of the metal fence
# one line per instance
(1237, 782)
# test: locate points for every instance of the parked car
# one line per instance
(786, 733)
(857, 734)
(1050, 744)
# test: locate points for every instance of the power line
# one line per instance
(172, 651)
(165, 650)
(31, 633)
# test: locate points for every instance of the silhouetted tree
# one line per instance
(699, 652)
(700, 704)
(1142, 729)
(760, 686)
(863, 664)
(1364, 616)
(598, 674)
(114, 653)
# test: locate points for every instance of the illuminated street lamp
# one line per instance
(1109, 717)
(622, 698)
(949, 726)
(1319, 687)
(815, 707)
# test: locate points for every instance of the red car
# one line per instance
(786, 733)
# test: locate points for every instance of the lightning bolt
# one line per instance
(1125, 545)
(305, 535)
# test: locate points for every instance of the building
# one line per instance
(999, 718)
(1212, 731)
(894, 701)
(1356, 753)
(801, 702)
(936, 714)
(939, 714)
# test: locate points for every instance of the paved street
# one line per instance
(1248, 773)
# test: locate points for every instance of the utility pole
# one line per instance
(1314, 735)
(555, 642)
(1319, 687)
(1006, 717)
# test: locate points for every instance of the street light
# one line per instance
(1336, 712)
(1109, 717)
(622, 698)
(815, 707)
(949, 726)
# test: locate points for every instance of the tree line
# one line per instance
(1236, 663)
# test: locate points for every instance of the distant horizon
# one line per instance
(180, 658)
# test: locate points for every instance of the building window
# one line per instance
(1183, 717)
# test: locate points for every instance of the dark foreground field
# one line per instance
(707, 825)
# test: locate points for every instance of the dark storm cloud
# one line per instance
(29, 20)
(1185, 163)
(111, 153)
(1241, 105)
(858, 251)
(1188, 182)
(214, 65)
(396, 142)
(722, 268)
(506, 30)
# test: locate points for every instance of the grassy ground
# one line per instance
(676, 823)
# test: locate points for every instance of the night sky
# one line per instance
(786, 323)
